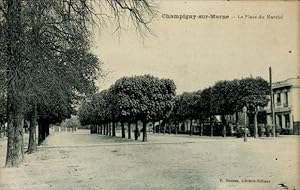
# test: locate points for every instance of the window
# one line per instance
(279, 117)
(287, 120)
(286, 99)
(278, 99)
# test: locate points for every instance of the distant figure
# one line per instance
(136, 134)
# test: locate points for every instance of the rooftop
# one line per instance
(295, 82)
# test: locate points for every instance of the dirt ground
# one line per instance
(82, 161)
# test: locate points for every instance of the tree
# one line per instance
(176, 114)
(52, 112)
(111, 108)
(228, 97)
(205, 107)
(11, 62)
(86, 113)
(71, 123)
(62, 21)
(201, 109)
(143, 98)
(186, 107)
(224, 96)
(253, 93)
(67, 79)
(2, 114)
(70, 70)
(127, 93)
(3, 99)
(95, 112)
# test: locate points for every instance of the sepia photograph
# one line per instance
(149, 95)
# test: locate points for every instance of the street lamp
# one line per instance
(272, 102)
(245, 116)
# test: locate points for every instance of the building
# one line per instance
(286, 96)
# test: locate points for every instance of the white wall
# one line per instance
(295, 102)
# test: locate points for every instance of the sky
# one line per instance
(197, 53)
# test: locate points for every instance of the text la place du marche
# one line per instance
(221, 16)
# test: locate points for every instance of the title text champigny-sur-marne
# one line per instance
(189, 16)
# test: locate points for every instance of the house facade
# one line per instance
(286, 95)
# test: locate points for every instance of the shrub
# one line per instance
(71, 123)
(241, 131)
(286, 131)
(268, 130)
(278, 130)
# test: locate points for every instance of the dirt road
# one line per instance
(83, 161)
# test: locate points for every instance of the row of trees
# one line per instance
(131, 99)
(224, 98)
(46, 65)
(148, 99)
(71, 124)
(44, 72)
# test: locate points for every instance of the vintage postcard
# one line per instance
(149, 94)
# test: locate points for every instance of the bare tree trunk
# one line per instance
(224, 125)
(129, 130)
(1, 130)
(109, 129)
(15, 153)
(176, 128)
(42, 132)
(113, 129)
(145, 131)
(255, 125)
(4, 130)
(153, 127)
(169, 124)
(32, 146)
(15, 116)
(237, 121)
(93, 128)
(106, 129)
(201, 129)
(123, 130)
(158, 126)
(182, 126)
(136, 131)
(211, 127)
(191, 127)
(47, 127)
(164, 128)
